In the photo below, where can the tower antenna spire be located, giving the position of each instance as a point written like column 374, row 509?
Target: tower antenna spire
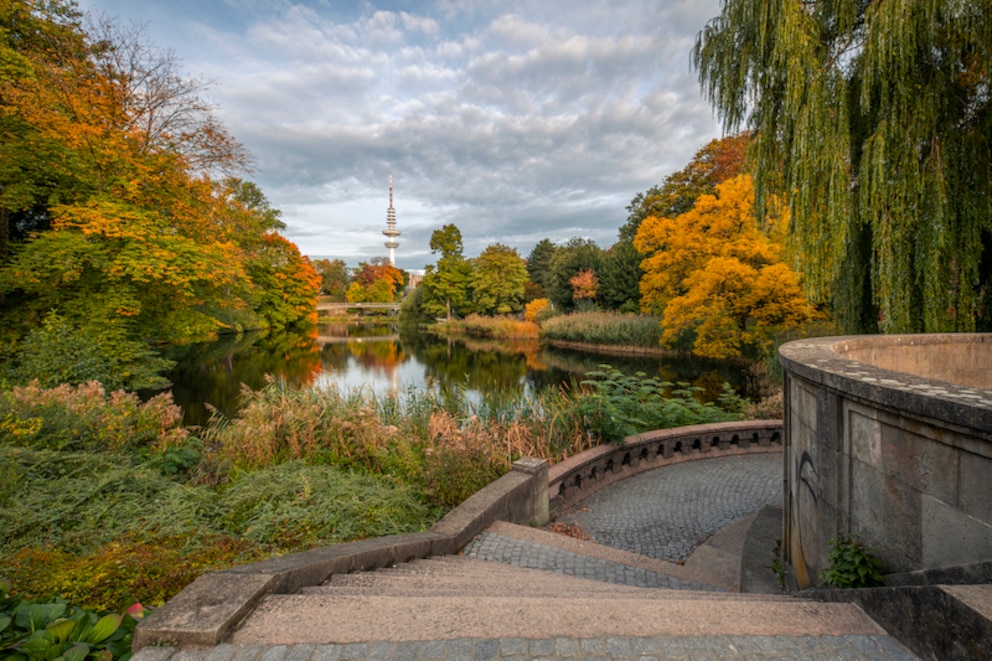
column 391, row 232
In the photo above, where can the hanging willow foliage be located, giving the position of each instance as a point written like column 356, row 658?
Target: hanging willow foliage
column 874, row 119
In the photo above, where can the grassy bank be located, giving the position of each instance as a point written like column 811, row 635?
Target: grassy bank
column 107, row 500
column 499, row 327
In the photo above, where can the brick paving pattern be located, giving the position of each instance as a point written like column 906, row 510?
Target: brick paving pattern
column 667, row 513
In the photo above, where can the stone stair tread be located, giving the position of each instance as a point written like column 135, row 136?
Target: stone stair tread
column 523, row 590
column 326, row 618
column 470, row 576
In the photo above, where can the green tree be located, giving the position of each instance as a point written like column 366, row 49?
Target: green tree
column 446, row 284
column 334, row 278
column 620, row 278
column 577, row 255
column 874, row 120
column 539, row 266
column 499, row 278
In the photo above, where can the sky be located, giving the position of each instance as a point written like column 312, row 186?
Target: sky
column 514, row 120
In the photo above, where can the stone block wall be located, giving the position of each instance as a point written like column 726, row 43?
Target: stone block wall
column 902, row 460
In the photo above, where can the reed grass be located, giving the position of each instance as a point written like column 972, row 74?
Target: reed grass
column 604, row 328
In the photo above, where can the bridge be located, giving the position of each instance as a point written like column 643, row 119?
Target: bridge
column 344, row 305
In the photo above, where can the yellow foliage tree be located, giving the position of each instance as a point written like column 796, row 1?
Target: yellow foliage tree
column 714, row 271
column 534, row 309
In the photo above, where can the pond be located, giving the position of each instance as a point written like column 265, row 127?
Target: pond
column 385, row 361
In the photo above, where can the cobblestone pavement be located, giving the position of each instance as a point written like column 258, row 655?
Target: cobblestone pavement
column 667, row 513
column 613, row 647
column 521, row 553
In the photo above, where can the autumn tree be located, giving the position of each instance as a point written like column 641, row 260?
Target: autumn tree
column 714, row 272
column 499, row 277
column 585, row 286
column 119, row 234
column 717, row 161
column 874, row 121
column 382, row 281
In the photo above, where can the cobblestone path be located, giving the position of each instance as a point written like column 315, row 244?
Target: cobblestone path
column 667, row 513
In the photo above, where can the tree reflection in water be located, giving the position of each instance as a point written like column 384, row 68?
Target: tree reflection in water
column 383, row 360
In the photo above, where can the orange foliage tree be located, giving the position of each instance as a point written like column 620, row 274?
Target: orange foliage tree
column 130, row 239
column 585, row 285
column 713, row 271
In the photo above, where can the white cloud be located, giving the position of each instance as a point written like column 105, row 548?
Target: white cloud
column 516, row 120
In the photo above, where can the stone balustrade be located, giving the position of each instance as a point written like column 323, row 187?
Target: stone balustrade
column 576, row 477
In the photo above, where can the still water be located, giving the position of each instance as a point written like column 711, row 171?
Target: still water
column 383, row 360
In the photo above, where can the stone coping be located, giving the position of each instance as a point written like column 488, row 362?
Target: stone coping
column 825, row 361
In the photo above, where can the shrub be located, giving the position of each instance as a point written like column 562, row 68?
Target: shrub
column 136, row 567
column 534, row 310
column 295, row 505
column 615, row 405
column 58, row 352
column 852, row 564
column 86, row 417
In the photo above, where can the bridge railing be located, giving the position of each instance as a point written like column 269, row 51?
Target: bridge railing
column 578, row 476
column 334, row 305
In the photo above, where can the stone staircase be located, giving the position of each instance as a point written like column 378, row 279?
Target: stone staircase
column 478, row 586
column 459, row 597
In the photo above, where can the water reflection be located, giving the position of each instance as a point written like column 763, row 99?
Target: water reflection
column 385, row 360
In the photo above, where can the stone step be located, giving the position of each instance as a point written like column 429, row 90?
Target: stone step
column 468, row 577
column 330, row 618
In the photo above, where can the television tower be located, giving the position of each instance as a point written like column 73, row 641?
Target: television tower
column 391, row 230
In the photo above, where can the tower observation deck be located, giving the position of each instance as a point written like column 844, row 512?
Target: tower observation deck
column 391, row 232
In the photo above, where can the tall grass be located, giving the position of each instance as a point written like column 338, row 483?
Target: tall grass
column 108, row 500
column 490, row 327
column 604, row 328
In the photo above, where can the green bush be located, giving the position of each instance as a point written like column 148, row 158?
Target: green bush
column 58, row 352
column 616, row 405
column 295, row 505
column 852, row 564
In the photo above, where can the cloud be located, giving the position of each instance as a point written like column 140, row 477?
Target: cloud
column 515, row 120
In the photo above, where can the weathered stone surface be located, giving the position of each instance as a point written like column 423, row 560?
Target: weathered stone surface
column 205, row 611
column 900, row 458
column 935, row 622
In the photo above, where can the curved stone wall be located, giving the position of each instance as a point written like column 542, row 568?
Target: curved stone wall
column 888, row 438
column 577, row 477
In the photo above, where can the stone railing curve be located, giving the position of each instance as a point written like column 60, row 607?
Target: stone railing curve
column 577, row 477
